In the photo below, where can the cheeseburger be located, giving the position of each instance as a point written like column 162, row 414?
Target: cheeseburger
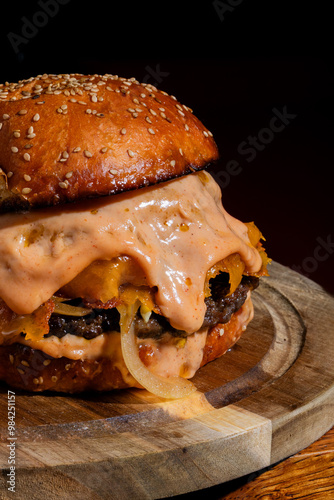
column 119, row 266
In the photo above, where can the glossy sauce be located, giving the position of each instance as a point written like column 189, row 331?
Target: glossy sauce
column 175, row 231
column 166, row 358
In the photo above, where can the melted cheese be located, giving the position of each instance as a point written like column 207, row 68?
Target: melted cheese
column 166, row 358
column 174, row 231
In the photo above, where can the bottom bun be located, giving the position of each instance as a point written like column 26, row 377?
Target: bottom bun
column 27, row 368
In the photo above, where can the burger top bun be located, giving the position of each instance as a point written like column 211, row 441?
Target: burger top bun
column 68, row 137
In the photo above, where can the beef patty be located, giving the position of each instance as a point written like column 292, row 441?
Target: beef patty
column 219, row 308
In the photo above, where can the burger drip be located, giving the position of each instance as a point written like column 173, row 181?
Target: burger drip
column 175, row 232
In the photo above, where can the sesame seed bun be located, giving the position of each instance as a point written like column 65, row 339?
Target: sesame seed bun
column 134, row 290
column 69, row 137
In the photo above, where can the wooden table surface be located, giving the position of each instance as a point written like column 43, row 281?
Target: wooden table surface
column 308, row 474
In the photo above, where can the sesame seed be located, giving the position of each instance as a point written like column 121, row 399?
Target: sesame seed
column 173, row 162
column 181, row 112
column 69, row 175
column 24, row 363
column 73, row 100
column 41, row 380
column 26, row 156
column 113, row 171
column 64, row 106
column 134, row 115
column 31, row 136
column 153, row 112
column 22, row 112
column 186, row 127
column 63, row 185
column 100, row 115
column 20, row 371
column 148, row 119
column 181, row 152
column 94, row 98
column 26, row 190
column 68, row 366
column 16, row 134
column 131, row 110
column 30, row 130
column 143, row 95
column 5, row 117
column 54, row 378
column 11, row 358
column 163, row 115
column 46, row 362
column 151, row 131
column 104, row 150
column 82, row 102
column 59, row 110
column 36, row 117
column 65, row 154
column 14, row 149
column 28, row 146
column 27, row 177
column 130, row 153
column 205, row 133
column 76, row 150
column 88, row 154
column 36, row 381
column 1, row 125
column 10, row 174
column 123, row 131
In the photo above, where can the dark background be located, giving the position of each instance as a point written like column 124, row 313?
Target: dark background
column 232, row 62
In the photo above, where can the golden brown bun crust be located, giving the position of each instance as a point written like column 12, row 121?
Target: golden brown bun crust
column 69, row 137
column 25, row 368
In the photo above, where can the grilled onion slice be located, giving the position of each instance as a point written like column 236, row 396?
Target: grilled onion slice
column 169, row 388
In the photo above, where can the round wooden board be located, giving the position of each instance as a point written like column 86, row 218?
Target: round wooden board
column 267, row 398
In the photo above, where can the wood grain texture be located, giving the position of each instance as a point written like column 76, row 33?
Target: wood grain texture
column 266, row 399
column 308, row 474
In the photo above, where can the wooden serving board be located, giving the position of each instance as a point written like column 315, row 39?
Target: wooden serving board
column 267, row 398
